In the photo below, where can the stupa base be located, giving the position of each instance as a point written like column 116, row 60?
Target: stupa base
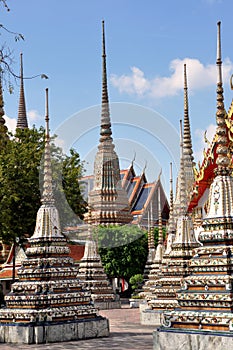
column 150, row 317
column 29, row 333
column 105, row 305
column 164, row 339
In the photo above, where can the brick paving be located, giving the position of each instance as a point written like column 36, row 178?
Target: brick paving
column 126, row 333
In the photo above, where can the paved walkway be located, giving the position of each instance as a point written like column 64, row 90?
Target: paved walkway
column 126, row 333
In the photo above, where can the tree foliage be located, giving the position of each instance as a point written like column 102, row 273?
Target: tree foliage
column 123, row 249
column 127, row 258
column 20, row 165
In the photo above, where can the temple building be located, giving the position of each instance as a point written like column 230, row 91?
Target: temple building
column 205, row 314
column 108, row 200
column 48, row 303
column 142, row 197
column 22, row 122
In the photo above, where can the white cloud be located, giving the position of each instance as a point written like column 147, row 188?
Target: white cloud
column 10, row 123
column 34, row 115
column 200, row 141
column 199, row 75
column 136, row 83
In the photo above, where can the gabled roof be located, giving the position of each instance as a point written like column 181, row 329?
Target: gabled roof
column 140, row 193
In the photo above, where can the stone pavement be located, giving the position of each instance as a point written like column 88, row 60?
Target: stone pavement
column 126, row 333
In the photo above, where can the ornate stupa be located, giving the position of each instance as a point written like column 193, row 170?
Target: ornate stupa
column 205, row 313
column 151, row 246
column 92, row 273
column 108, row 200
column 22, row 122
column 175, row 260
column 187, row 152
column 49, row 303
column 171, row 226
column 159, row 251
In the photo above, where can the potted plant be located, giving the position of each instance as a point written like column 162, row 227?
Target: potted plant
column 135, row 282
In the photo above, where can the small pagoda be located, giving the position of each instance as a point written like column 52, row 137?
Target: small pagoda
column 92, row 273
column 48, row 303
column 175, row 260
column 155, row 265
column 205, row 312
column 108, row 200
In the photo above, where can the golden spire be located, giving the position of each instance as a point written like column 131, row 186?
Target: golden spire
column 223, row 160
column 22, row 115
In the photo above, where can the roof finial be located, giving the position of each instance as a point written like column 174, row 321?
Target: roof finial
column 105, row 131
column 219, row 53
column 47, row 195
column 222, row 142
column 22, row 115
column 133, row 160
column 144, row 169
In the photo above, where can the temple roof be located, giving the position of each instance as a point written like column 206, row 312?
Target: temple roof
column 140, row 192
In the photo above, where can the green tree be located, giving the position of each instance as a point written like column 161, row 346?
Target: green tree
column 123, row 250
column 20, row 165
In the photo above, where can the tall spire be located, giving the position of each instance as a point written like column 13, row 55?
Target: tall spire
column 160, row 237
column 108, row 200
column 171, row 222
column 22, row 114
column 187, row 140
column 183, row 199
column 47, row 195
column 180, row 205
column 222, row 141
column 105, row 126
column 47, row 221
column 159, row 248
column 151, row 241
column 184, row 229
column 171, row 194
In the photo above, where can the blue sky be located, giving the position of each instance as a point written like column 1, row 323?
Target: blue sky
column 147, row 44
